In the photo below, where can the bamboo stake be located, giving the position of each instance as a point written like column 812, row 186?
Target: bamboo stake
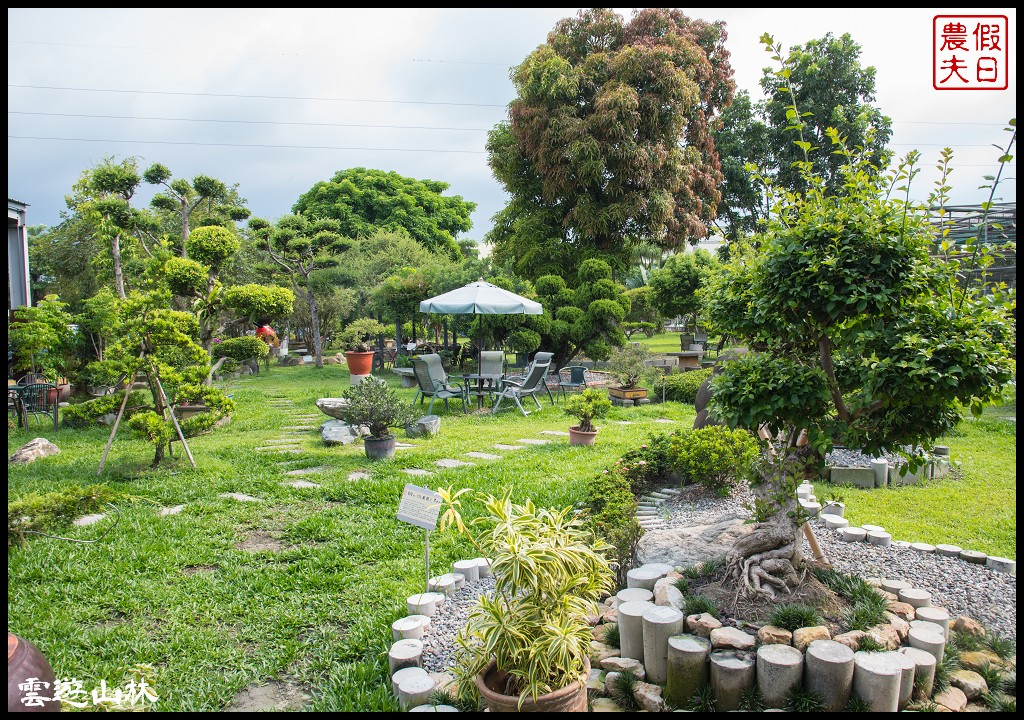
column 813, row 542
column 174, row 420
column 117, row 420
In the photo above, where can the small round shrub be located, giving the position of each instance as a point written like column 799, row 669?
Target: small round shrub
column 714, row 456
column 681, row 387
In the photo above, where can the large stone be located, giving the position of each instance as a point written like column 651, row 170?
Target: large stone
column 702, row 624
column 732, row 673
column 902, row 626
column 33, row 450
column 802, row 637
column 978, row 659
column 666, row 593
column 969, row 626
column 680, row 547
column 687, row 667
column 780, row 669
column 599, row 651
column 621, row 664
column 828, row 671
column 728, row 638
column 426, row 426
column 972, row 684
column 952, row 698
column 337, row 432
column 333, row 407
column 771, row 635
column 903, row 610
column 605, row 705
column 885, row 635
column 851, row 639
column 649, row 696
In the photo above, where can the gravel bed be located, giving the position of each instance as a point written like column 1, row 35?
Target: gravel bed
column 450, row 616
column 843, row 457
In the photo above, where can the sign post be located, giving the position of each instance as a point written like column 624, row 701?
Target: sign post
column 420, row 506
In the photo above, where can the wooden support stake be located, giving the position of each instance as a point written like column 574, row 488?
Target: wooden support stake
column 813, row 542
column 174, row 420
column 113, row 430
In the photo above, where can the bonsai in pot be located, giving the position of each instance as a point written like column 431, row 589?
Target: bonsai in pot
column 586, row 406
column 628, row 365
column 525, row 646
column 357, row 338
column 372, row 404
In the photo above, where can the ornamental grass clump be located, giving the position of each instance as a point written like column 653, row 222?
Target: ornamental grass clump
column 549, row 573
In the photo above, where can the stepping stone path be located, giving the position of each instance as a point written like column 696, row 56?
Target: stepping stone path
column 416, row 471
column 302, row 484
column 310, row 470
column 279, row 441
column 623, row 422
column 451, row 463
column 554, row 432
column 359, row 475
column 293, row 449
column 172, row 510
column 240, row 497
column 88, row 520
column 663, row 420
column 532, row 441
column 299, row 427
column 483, row 456
column 500, row 446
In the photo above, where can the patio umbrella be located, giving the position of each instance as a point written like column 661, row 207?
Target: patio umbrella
column 481, row 298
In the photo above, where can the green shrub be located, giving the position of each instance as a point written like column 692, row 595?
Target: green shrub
column 90, row 411
column 623, row 690
column 714, row 456
column 611, row 515
column 611, row 637
column 680, row 387
column 793, row 617
column 646, row 466
column 242, row 348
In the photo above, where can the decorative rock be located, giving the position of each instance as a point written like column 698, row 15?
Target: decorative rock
column 33, row 450
column 771, row 635
column 404, row 673
column 702, row 624
column 894, row 586
column 501, row 446
column 880, row 538
column 631, row 594
column 301, row 484
column 728, row 638
column 599, row 651
column 687, row 667
column 684, row 546
column 828, row 671
column 802, row 637
column 649, row 696
column 780, row 669
column 922, row 547
column 851, row 639
column 631, row 628
column 948, row 550
column 426, row 426
column 468, row 568
column 411, row 627
column 903, row 610
column 483, row 455
column 971, row 683
column 621, row 664
column 732, row 672
column 642, row 577
column 973, row 556
column 928, row 639
column 333, row 407
column 404, row 653
column 595, row 683
column 901, row 626
column 924, row 668
column 667, row 594
column 969, row 626
column 916, row 598
column 936, row 615
column 952, row 698
column 888, row 596
column 852, row 534
column 1001, row 564
column 885, row 635
column 659, row 624
column 414, row 691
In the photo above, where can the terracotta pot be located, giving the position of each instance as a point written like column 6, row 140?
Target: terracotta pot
column 359, row 363
column 572, row 698
column 24, row 661
column 580, row 437
column 379, row 448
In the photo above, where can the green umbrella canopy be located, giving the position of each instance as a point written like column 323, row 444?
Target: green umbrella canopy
column 481, row 298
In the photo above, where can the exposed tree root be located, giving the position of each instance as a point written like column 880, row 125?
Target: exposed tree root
column 768, row 561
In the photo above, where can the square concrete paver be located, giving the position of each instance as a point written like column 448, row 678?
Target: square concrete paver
column 240, row 497
column 484, row 456
column 554, row 432
column 501, row 446
column 172, row 510
column 534, row 441
column 302, row 484
column 452, row 463
column 416, row 471
column 310, row 470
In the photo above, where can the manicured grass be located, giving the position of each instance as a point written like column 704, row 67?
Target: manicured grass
column 177, row 592
column 660, row 343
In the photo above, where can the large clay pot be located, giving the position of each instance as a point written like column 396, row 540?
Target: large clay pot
column 379, row 448
column 581, row 437
column 25, row 662
column 359, row 363
column 572, row 698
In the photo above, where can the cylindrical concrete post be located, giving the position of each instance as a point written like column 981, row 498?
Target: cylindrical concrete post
column 881, row 468
column 924, row 638
column 422, row 604
column 936, row 615
column 643, row 577
column 628, row 594
column 915, row 597
column 687, row 667
column 403, row 674
column 852, row 534
column 469, row 568
column 834, row 522
column 924, row 664
column 828, row 671
column 631, row 628
column 908, row 668
column 403, row 654
column 483, row 567
column 894, row 586
column 411, row 627
column 780, row 668
column 732, row 672
column 880, row 538
column 876, row 680
column 414, row 691
column 660, row 622
column 443, row 583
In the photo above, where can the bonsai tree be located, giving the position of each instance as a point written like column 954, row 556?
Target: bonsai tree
column 548, row 574
column 372, row 404
column 587, row 406
column 628, row 365
column 359, row 334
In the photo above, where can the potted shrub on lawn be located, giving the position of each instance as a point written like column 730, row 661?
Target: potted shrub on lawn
column 526, row 645
column 586, row 406
column 357, row 338
column 372, row 404
column 628, row 365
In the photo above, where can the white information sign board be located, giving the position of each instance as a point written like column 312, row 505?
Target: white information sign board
column 419, row 507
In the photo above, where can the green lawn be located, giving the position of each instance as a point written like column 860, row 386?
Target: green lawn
column 660, row 343
column 178, row 593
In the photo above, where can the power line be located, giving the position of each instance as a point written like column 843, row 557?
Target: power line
column 249, row 145
column 261, row 97
column 250, row 122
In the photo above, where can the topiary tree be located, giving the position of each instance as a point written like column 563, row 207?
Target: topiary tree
column 860, row 338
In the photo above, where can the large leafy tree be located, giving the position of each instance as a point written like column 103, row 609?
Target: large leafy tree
column 860, row 337
column 679, row 288
column 364, row 201
column 608, row 142
column 742, row 138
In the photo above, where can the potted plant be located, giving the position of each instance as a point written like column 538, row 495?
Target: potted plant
column 356, row 337
column 586, row 406
column 372, row 404
column 628, row 365
column 526, row 645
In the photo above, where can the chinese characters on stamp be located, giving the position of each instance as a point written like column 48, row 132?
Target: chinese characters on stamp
column 970, row 52
column 36, row 693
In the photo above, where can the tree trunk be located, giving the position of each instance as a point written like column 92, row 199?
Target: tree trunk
column 184, row 227
column 115, row 252
column 318, row 358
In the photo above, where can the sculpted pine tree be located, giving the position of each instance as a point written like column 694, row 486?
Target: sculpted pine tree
column 608, row 142
column 859, row 336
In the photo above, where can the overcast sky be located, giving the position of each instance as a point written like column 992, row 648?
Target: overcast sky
column 277, row 100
